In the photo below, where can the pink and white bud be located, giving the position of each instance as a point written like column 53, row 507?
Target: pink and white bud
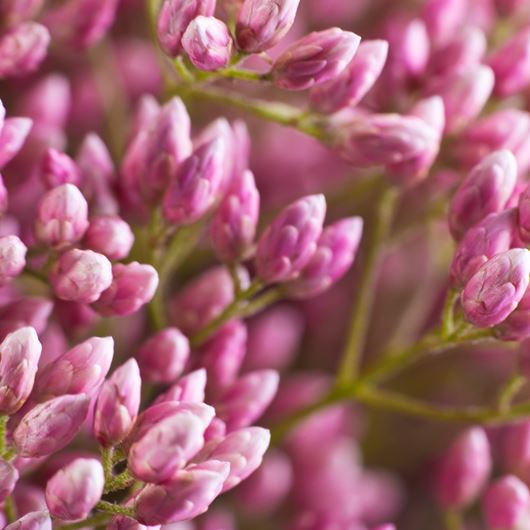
column 496, row 288
column 263, row 23
column 189, row 388
column 464, row 469
column 58, row 168
column 74, row 490
column 133, row 285
column 12, row 137
column 81, row 276
column 314, row 59
column 50, row 426
column 163, row 356
column 8, row 479
column 22, row 49
column 12, row 258
column 109, row 235
column 290, row 241
column 506, row 504
column 32, row 521
column 443, row 18
column 486, row 189
column 118, row 404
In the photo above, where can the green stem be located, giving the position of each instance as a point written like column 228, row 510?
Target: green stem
column 10, row 509
column 453, row 520
column 362, row 310
column 509, row 391
column 119, row 482
column 3, row 425
column 241, row 73
column 107, row 456
column 448, row 321
column 115, row 509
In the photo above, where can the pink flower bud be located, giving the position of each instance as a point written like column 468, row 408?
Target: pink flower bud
column 290, row 241
column 174, row 17
column 524, row 215
column 516, row 442
column 26, row 311
column 81, row 369
column 496, row 288
column 263, row 23
column 189, row 493
column 12, row 137
column 189, row 388
column 58, row 168
column 133, row 285
column 163, row 357
column 336, row 250
column 486, row 189
column 62, row 216
column 12, row 258
column 208, row 43
column 246, row 400
column 81, row 276
column 169, row 444
column 74, row 490
column 517, row 325
column 464, row 469
column 234, row 224
column 506, row 504
column 19, row 358
column 194, row 188
column 4, row 199
column 121, row 522
column 22, row 49
column 32, row 521
column 314, row 59
column 50, row 426
column 353, row 84
column 110, row 236
column 117, row 405
column 443, row 18
column 8, row 479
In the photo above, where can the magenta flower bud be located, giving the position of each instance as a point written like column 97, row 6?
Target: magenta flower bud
column 486, row 189
column 263, row 23
column 174, row 17
column 336, row 250
column 168, row 444
column 163, row 357
column 496, row 288
column 234, row 224
column 12, row 137
column 50, row 426
column 290, row 241
column 62, row 216
column 12, row 258
column 194, row 188
column 353, row 84
column 208, row 43
column 517, row 325
column 246, row 400
column 81, row 370
column 506, row 504
column 4, row 199
column 58, row 168
column 121, row 522
column 314, row 59
column 19, row 358
column 133, row 285
column 189, row 493
column 32, row 521
column 524, row 215
column 8, row 479
column 22, row 49
column 110, row 236
column 443, row 18
column 189, row 388
column 74, row 490
column 118, row 404
column 26, row 311
column 464, row 469
column 81, row 276
column 516, row 441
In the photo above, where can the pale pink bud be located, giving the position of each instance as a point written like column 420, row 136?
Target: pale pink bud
column 190, row 387
column 62, row 216
column 50, row 426
column 58, row 168
column 443, row 18
column 163, row 357
column 314, row 59
column 506, row 504
column 12, row 137
column 81, row 369
column 195, row 187
column 133, row 285
column 263, row 23
column 208, row 43
column 22, row 49
column 353, row 84
column 336, row 250
column 290, row 241
column 111, row 236
column 464, row 469
column 32, row 521
column 234, row 224
column 246, row 400
column 74, row 490
column 189, row 493
column 174, row 17
column 12, row 258
column 8, row 479
column 81, row 276
column 516, row 446
column 486, row 189
column 117, row 405
column 19, row 358
column 496, row 288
